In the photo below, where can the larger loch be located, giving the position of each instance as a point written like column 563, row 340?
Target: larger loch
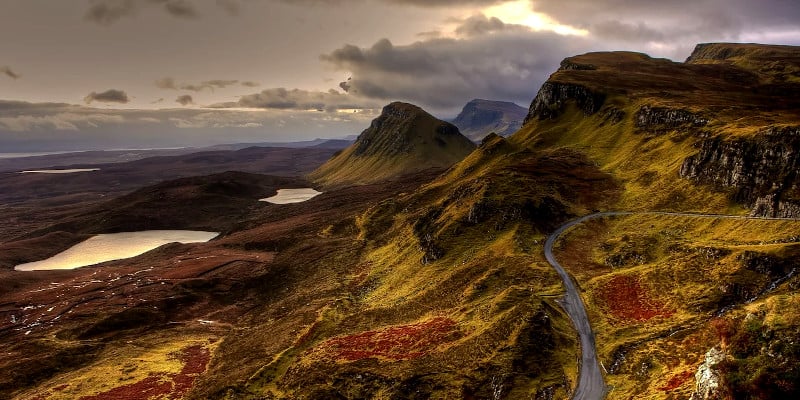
column 115, row 246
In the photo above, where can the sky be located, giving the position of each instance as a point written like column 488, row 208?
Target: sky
column 99, row 74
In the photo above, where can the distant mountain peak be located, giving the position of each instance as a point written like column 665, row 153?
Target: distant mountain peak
column 480, row 117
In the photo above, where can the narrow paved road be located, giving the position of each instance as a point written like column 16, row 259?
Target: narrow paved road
column 591, row 385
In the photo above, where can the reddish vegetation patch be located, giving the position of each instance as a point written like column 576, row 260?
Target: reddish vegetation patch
column 195, row 359
column 395, row 343
column 174, row 386
column 626, row 299
column 152, row 386
column 677, row 381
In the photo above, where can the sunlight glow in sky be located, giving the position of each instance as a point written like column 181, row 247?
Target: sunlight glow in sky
column 520, row 13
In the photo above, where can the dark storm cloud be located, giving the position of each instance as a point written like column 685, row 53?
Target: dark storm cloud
column 481, row 25
column 297, row 99
column 195, row 87
column 346, row 85
column 171, row 84
column 250, row 84
column 6, row 70
column 14, row 107
column 166, row 83
column 109, row 96
column 417, row 3
column 619, row 30
column 447, row 3
column 180, row 8
column 184, row 100
column 221, row 83
column 232, row 7
column 106, row 12
column 678, row 20
column 445, row 73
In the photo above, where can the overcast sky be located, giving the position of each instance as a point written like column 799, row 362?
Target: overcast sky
column 149, row 73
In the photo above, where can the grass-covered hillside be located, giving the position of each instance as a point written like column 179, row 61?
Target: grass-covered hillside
column 402, row 140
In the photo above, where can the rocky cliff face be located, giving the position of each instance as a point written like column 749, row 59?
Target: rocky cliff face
column 761, row 171
column 553, row 96
column 481, row 117
column 660, row 119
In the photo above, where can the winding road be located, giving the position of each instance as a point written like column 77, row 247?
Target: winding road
column 591, row 385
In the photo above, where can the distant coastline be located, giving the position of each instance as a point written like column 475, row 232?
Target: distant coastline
column 50, row 153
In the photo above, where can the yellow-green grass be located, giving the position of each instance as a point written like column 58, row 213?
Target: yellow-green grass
column 681, row 271
column 491, row 286
column 124, row 364
column 647, row 166
column 394, row 146
column 348, row 168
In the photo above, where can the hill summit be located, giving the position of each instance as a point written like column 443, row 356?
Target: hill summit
column 481, row 117
column 403, row 139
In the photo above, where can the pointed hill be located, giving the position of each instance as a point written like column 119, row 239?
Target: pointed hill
column 402, row 140
column 481, row 117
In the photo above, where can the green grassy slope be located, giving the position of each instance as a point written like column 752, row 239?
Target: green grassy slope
column 402, row 140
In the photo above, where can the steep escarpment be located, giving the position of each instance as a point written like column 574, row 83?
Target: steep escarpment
column 552, row 98
column 725, row 121
column 402, row 140
column 662, row 119
column 762, row 170
column 480, row 117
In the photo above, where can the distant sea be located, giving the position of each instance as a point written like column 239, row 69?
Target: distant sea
column 42, row 153
column 47, row 153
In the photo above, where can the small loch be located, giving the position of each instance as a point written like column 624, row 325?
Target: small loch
column 115, row 246
column 59, row 171
column 288, row 196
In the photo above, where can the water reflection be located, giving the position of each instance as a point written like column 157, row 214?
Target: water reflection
column 114, row 246
column 287, row 196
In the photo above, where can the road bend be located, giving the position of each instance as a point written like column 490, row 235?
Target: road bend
column 591, row 384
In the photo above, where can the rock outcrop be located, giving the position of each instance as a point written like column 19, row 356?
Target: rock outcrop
column 661, row 119
column 762, row 170
column 479, row 117
column 707, row 378
column 553, row 96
